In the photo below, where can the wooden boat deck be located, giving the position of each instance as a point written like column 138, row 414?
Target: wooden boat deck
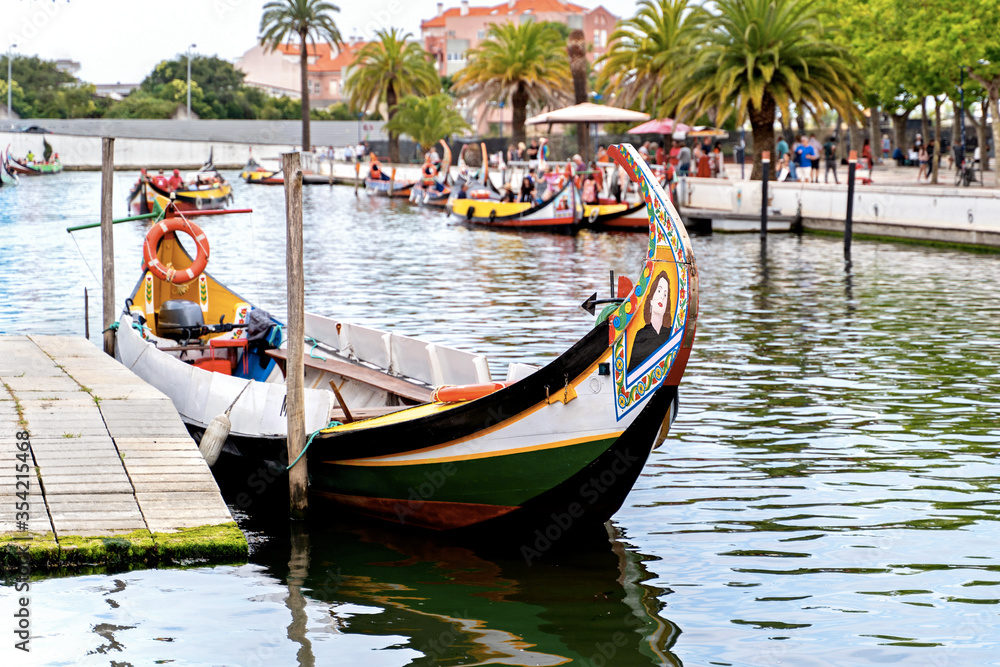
column 398, row 386
column 109, row 454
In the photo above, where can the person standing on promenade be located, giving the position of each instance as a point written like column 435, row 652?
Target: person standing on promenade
column 805, row 154
column 830, row 157
column 922, row 159
column 885, row 147
column 684, row 160
column 817, row 149
column 782, row 148
column 866, row 154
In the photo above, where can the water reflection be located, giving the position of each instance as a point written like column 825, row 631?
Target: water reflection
column 456, row 604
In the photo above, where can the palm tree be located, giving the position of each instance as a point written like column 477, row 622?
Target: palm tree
column 576, row 49
column 661, row 35
column 524, row 62
column 427, row 119
column 386, row 70
column 312, row 22
column 761, row 55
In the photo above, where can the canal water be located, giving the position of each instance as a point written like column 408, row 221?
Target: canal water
column 828, row 494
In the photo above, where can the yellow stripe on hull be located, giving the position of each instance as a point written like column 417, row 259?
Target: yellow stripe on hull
column 603, row 209
column 482, row 208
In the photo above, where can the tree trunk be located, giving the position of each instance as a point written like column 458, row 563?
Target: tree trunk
column 304, row 76
column 981, row 133
column 519, row 113
column 923, row 120
column 857, row 134
column 390, row 102
column 936, row 160
column 576, row 47
column 992, row 87
column 899, row 121
column 875, row 132
column 762, row 128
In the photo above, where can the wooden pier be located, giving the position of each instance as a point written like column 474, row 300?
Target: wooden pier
column 115, row 477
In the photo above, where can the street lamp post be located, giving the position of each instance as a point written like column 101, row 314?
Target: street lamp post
column 189, row 79
column 10, row 109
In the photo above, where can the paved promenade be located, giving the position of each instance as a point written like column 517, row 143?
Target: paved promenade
column 109, row 457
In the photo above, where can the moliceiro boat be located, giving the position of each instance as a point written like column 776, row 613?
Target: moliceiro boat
column 561, row 443
column 27, row 167
column 7, row 175
column 202, row 190
column 561, row 211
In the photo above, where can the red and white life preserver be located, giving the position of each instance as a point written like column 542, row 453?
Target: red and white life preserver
column 161, row 271
column 465, row 392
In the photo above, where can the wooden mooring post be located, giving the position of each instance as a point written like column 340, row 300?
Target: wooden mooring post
column 765, row 164
column 357, row 175
column 852, row 164
column 108, row 241
column 298, row 476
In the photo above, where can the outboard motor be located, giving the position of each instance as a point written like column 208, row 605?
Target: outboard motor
column 180, row 320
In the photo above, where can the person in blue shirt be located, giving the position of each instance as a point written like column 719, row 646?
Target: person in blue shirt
column 804, row 156
column 781, row 148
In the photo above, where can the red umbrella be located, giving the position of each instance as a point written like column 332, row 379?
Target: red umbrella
column 660, row 126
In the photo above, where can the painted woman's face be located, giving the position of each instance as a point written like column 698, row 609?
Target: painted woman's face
column 661, row 299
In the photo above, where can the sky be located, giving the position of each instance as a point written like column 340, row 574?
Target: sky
column 122, row 40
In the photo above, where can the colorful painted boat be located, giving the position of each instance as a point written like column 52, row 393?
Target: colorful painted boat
column 7, row 176
column 203, row 190
column 389, row 188
column 25, row 168
column 255, row 173
column 563, row 211
column 236, row 365
column 610, row 216
column 557, row 447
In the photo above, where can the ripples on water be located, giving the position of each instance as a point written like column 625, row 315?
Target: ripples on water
column 827, row 497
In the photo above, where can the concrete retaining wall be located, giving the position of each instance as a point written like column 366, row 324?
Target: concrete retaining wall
column 77, row 152
column 278, row 132
column 958, row 215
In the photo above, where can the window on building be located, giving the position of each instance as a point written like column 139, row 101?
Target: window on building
column 480, row 34
column 604, row 38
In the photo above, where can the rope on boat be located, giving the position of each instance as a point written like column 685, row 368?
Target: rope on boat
column 309, row 442
column 315, row 344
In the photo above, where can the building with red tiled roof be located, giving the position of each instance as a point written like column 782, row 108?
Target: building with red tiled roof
column 277, row 71
column 452, row 32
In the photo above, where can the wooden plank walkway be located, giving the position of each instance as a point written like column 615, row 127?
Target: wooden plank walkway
column 112, row 456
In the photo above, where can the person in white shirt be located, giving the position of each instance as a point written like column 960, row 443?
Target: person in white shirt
column 359, row 152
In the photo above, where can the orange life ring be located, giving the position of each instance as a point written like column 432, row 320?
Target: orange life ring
column 161, row 271
column 465, row 392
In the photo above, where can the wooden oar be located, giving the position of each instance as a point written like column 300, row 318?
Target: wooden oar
column 343, row 405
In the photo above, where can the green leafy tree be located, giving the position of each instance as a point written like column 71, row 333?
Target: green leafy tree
column 312, row 22
column 45, row 91
column 645, row 48
column 758, row 56
column 525, row 63
column 386, row 70
column 141, row 104
column 427, row 119
column 223, row 93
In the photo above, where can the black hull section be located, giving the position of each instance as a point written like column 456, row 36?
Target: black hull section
column 597, row 492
